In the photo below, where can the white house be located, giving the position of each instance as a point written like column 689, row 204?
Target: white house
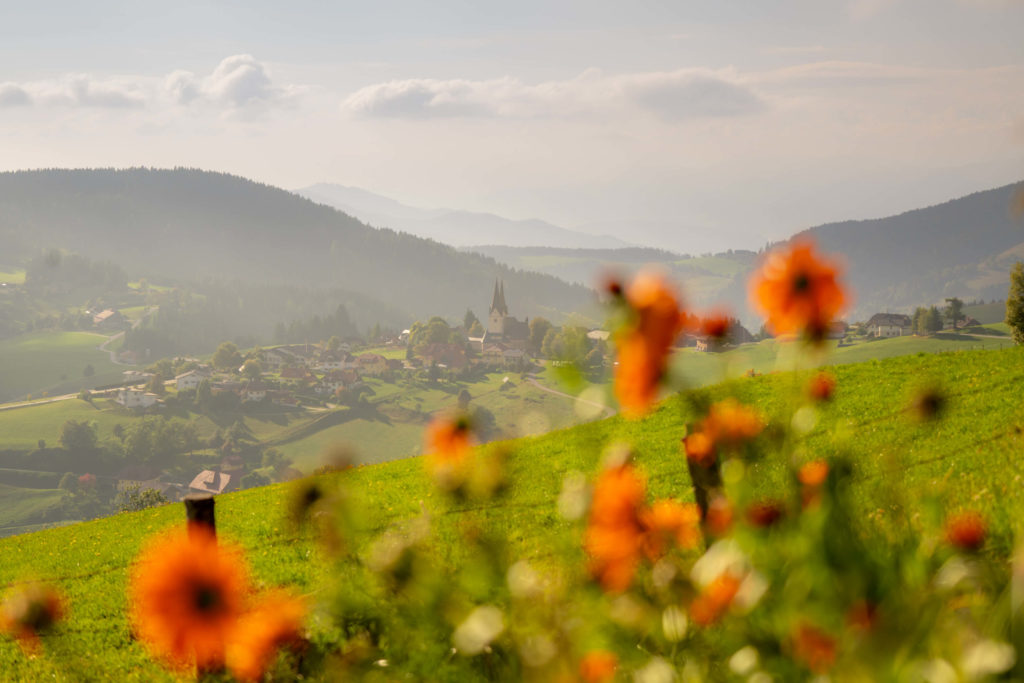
column 254, row 391
column 889, row 325
column 136, row 398
column 189, row 380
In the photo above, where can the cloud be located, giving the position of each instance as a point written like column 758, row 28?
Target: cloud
column 238, row 82
column 85, row 92
column 13, row 95
column 675, row 95
column 182, row 86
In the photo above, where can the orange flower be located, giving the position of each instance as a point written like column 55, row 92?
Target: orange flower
column 700, row 448
column 276, row 622
column 821, row 387
column 711, row 604
column 598, row 666
column 186, row 594
column 719, row 518
column 716, row 326
column 732, row 423
column 30, row 611
column 797, row 291
column 614, row 532
column 813, row 473
column 644, row 344
column 862, row 615
column 667, row 522
column 966, row 531
column 448, row 443
column 815, row 648
column 765, row 513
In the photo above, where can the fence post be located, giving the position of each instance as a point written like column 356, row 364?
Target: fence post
column 199, row 512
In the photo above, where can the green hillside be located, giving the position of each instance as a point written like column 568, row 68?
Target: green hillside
column 54, row 362
column 972, row 458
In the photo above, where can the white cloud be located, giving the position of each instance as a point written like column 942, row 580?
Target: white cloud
column 240, row 80
column 13, row 95
column 674, row 95
column 182, row 86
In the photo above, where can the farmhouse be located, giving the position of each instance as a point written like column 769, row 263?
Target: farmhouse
column 889, row 325
column 135, row 377
column 189, row 380
column 108, row 319
column 209, row 481
column 136, row 398
column 254, row 391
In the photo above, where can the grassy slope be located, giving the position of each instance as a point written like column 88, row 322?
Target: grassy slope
column 973, row 458
column 14, row 276
column 36, row 362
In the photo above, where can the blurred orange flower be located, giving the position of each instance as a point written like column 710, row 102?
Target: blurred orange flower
column 719, row 518
column 716, row 326
column 614, row 532
column 765, row 513
column 644, row 344
column 732, row 423
column 797, row 292
column 700, row 448
column 598, row 666
column 711, row 604
column 815, row 648
column 275, row 622
column 29, row 611
column 448, row 444
column 186, row 594
column 966, row 531
column 669, row 521
column 821, row 387
column 813, row 473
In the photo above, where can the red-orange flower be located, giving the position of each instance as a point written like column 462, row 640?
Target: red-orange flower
column 700, row 448
column 186, row 594
column 598, row 666
column 614, row 532
column 669, row 522
column 30, row 611
column 730, row 422
column 716, row 326
column 274, row 623
column 815, row 648
column 719, row 517
column 797, row 291
column 711, row 604
column 449, row 444
column 821, row 387
column 765, row 513
column 644, row 344
column 812, row 476
column 966, row 531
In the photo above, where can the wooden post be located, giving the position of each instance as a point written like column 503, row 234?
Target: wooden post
column 199, row 512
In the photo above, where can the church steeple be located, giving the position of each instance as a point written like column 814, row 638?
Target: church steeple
column 498, row 300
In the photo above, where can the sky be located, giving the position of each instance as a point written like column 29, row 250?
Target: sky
column 724, row 123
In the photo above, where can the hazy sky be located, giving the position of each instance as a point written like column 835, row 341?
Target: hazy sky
column 745, row 120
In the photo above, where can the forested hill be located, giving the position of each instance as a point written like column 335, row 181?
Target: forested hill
column 191, row 224
column 964, row 247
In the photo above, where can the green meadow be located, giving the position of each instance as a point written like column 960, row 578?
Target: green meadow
column 53, row 362
column 972, row 458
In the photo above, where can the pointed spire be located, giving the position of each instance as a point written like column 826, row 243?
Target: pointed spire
column 494, row 300
column 501, row 299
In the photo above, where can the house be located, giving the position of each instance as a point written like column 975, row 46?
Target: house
column 190, row 380
column 209, row 481
column 371, row 364
column 254, row 391
column 278, row 357
column 449, row 355
column 338, row 379
column 342, row 360
column 136, row 398
column 108, row 319
column 135, row 376
column 282, row 398
column 599, row 335
column 889, row 325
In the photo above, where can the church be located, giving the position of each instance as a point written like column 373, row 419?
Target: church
column 501, row 327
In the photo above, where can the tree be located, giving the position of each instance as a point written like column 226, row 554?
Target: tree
column 469, row 320
column 538, row 328
column 917, row 320
column 69, row 482
column 156, row 384
column 132, row 499
column 476, row 330
column 252, row 369
column 464, row 399
column 334, row 343
column 254, row 479
column 227, row 356
column 1015, row 303
column 954, row 311
column 89, row 371
column 78, row 436
column 933, row 320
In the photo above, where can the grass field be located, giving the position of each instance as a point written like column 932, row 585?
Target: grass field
column 52, row 361
column 17, row 503
column 972, row 458
column 14, row 276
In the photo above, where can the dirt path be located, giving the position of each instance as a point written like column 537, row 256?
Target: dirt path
column 608, row 412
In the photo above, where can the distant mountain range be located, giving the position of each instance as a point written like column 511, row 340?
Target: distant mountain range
column 451, row 226
column 187, row 224
column 964, row 248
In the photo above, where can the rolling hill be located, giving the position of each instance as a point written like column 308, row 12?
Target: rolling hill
column 451, row 226
column 971, row 458
column 186, row 224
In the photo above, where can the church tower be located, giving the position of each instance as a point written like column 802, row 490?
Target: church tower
column 496, row 316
